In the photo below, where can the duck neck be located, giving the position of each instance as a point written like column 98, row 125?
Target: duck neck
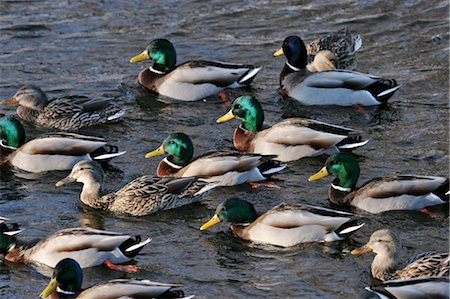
column 91, row 194
column 28, row 114
column 384, row 264
column 338, row 194
column 242, row 139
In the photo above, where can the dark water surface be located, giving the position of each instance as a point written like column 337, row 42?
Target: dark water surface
column 83, row 48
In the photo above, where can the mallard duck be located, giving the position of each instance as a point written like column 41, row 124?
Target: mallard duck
column 227, row 168
column 413, row 288
column 65, row 113
column 333, row 87
column 340, row 44
column 289, row 140
column 284, row 225
column 89, row 247
column 402, row 192
column 142, row 196
column 55, row 151
column 192, row 80
column 67, row 279
column 385, row 265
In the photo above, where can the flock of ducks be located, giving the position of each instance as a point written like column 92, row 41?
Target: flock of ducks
column 319, row 73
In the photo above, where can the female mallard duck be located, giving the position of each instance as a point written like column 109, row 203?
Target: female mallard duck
column 89, row 247
column 56, row 151
column 226, row 168
column 67, row 279
column 284, row 225
column 289, row 140
column 413, row 288
column 65, row 113
column 192, row 80
column 385, row 265
column 403, row 192
column 339, row 46
column 333, row 87
column 142, row 196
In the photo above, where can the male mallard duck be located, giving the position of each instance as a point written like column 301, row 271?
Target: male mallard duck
column 403, row 192
column 142, row 196
column 227, row 168
column 89, row 247
column 67, row 279
column 65, row 113
column 55, row 151
column 333, row 87
column 413, row 288
column 340, row 45
column 284, row 225
column 385, row 265
column 192, row 80
column 289, row 140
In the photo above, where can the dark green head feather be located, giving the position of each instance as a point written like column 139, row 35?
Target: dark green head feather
column 179, row 147
column 236, row 210
column 295, row 51
column 163, row 54
column 12, row 133
column 69, row 275
column 248, row 110
column 345, row 167
column 6, row 243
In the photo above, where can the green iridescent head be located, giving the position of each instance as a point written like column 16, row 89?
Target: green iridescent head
column 7, row 242
column 342, row 165
column 12, row 133
column 232, row 210
column 67, row 276
column 178, row 146
column 295, row 51
column 161, row 52
column 248, row 110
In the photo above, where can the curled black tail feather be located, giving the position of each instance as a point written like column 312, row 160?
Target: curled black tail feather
column 171, row 294
column 128, row 243
column 106, row 149
column 381, row 86
column 348, row 228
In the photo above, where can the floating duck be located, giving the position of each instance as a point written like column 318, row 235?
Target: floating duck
column 284, row 225
column 228, row 168
column 68, row 277
column 89, row 247
column 192, row 80
column 54, row 151
column 386, row 266
column 289, row 140
column 332, row 87
column 65, row 113
column 142, row 196
column 402, row 192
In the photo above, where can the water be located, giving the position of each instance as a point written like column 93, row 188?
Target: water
column 83, row 48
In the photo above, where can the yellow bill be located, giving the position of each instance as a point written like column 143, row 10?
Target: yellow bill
column 362, row 250
column 141, row 57
column 12, row 100
column 157, row 152
column 226, row 117
column 321, row 174
column 213, row 221
column 50, row 289
column 279, row 53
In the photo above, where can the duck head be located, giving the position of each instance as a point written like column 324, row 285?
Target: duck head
column 7, row 243
column 29, row 96
column 86, row 172
column 295, row 51
column 232, row 210
column 343, row 166
column 12, row 133
column 67, row 278
column 248, row 110
column 162, row 53
column 178, row 146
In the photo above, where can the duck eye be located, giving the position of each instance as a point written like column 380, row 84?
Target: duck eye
column 237, row 106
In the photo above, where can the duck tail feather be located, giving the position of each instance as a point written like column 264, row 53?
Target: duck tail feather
column 106, row 152
column 248, row 77
column 132, row 247
column 348, row 228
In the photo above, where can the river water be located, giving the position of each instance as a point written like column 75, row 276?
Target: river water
column 83, row 48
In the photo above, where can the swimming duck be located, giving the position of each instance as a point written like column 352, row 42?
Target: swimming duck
column 142, row 196
column 54, row 151
column 192, row 80
column 67, row 279
column 333, row 87
column 289, row 140
column 402, row 192
column 64, row 113
column 228, row 168
column 89, row 247
column 341, row 46
column 385, row 265
column 284, row 225
column 413, row 288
